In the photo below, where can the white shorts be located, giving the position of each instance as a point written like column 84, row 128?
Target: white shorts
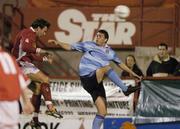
column 9, row 114
column 28, row 68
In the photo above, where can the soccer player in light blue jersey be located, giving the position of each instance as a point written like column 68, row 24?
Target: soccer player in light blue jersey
column 94, row 66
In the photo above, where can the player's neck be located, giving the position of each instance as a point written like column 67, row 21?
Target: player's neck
column 102, row 45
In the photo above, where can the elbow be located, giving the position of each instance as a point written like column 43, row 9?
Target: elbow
column 28, row 49
column 68, row 48
column 24, row 48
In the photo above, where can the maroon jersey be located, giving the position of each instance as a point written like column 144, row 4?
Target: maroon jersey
column 24, row 47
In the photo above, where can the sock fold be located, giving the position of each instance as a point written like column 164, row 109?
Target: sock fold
column 97, row 122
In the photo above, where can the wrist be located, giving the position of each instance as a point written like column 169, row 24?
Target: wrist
column 38, row 50
column 45, row 58
column 135, row 75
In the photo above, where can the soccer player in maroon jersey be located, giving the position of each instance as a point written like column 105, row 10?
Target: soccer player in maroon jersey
column 13, row 84
column 26, row 52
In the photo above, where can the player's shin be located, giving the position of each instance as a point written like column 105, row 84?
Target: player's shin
column 46, row 92
column 113, row 76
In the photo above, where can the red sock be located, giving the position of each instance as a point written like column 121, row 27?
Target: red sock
column 36, row 102
column 46, row 92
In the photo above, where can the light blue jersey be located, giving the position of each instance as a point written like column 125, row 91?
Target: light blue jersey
column 94, row 57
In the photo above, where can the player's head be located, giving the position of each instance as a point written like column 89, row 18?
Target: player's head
column 162, row 50
column 102, row 37
column 40, row 26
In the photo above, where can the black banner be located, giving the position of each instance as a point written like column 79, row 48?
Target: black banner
column 159, row 101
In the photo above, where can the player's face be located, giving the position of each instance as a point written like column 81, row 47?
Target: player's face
column 42, row 32
column 162, row 51
column 100, row 39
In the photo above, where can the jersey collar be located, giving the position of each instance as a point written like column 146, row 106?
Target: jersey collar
column 32, row 29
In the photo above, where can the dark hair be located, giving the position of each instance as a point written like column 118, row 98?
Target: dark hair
column 40, row 23
column 163, row 44
column 106, row 35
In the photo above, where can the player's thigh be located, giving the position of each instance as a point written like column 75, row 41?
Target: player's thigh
column 35, row 87
column 101, row 72
column 39, row 77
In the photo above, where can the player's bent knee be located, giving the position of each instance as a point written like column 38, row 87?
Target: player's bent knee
column 46, row 80
column 107, row 68
column 103, row 113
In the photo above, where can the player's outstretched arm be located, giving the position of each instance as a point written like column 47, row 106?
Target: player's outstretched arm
column 65, row 46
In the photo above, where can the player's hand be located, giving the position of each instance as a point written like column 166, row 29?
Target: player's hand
column 42, row 51
column 48, row 58
column 52, row 41
column 138, row 79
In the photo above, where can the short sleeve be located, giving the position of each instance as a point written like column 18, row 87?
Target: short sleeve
column 78, row 46
column 114, row 57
